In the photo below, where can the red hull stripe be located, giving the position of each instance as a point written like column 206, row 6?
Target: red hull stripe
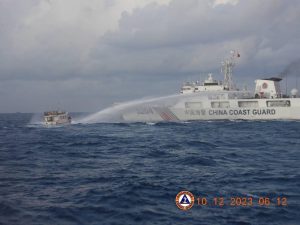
column 166, row 114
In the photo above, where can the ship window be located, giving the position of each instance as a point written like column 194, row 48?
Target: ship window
column 193, row 105
column 279, row 103
column 186, row 89
column 210, row 84
column 248, row 104
column 49, row 119
column 220, row 104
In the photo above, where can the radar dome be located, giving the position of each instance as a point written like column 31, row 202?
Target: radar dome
column 294, row 92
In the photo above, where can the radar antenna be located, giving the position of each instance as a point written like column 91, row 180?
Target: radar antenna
column 227, row 68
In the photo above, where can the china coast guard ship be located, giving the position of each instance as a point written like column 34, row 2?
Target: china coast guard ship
column 221, row 100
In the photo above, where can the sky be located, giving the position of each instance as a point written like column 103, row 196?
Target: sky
column 84, row 55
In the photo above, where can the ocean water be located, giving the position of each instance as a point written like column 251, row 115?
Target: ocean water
column 105, row 173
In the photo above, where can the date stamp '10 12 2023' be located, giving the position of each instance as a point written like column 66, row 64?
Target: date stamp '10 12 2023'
column 185, row 201
column 242, row 201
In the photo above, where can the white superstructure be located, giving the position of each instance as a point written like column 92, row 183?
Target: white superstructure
column 216, row 100
column 56, row 118
column 208, row 85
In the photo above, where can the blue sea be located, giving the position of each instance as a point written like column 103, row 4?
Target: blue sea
column 106, row 173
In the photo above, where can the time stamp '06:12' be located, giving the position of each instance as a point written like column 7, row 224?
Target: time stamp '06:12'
column 242, row 201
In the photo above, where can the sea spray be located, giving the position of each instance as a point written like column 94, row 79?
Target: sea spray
column 36, row 119
column 114, row 113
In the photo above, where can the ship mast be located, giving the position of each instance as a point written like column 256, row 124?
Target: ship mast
column 227, row 68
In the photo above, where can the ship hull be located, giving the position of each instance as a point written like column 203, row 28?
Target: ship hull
column 264, row 109
column 58, row 123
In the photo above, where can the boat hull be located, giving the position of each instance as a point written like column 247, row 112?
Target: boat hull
column 57, row 123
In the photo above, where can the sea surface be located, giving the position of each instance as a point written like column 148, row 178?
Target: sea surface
column 106, row 173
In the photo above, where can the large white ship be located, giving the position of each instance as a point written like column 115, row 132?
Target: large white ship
column 216, row 100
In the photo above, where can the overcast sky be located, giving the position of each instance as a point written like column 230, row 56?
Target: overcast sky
column 83, row 55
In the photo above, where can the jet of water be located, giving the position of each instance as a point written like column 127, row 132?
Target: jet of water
column 37, row 119
column 114, row 113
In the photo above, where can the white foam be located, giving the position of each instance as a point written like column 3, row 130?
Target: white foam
column 36, row 119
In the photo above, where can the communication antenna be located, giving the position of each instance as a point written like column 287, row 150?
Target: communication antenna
column 227, row 70
column 286, row 85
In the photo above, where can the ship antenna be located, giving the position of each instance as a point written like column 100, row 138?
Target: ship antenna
column 286, row 85
column 227, row 69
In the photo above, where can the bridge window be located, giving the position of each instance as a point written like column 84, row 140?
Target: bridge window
column 210, row 84
column 186, row 89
